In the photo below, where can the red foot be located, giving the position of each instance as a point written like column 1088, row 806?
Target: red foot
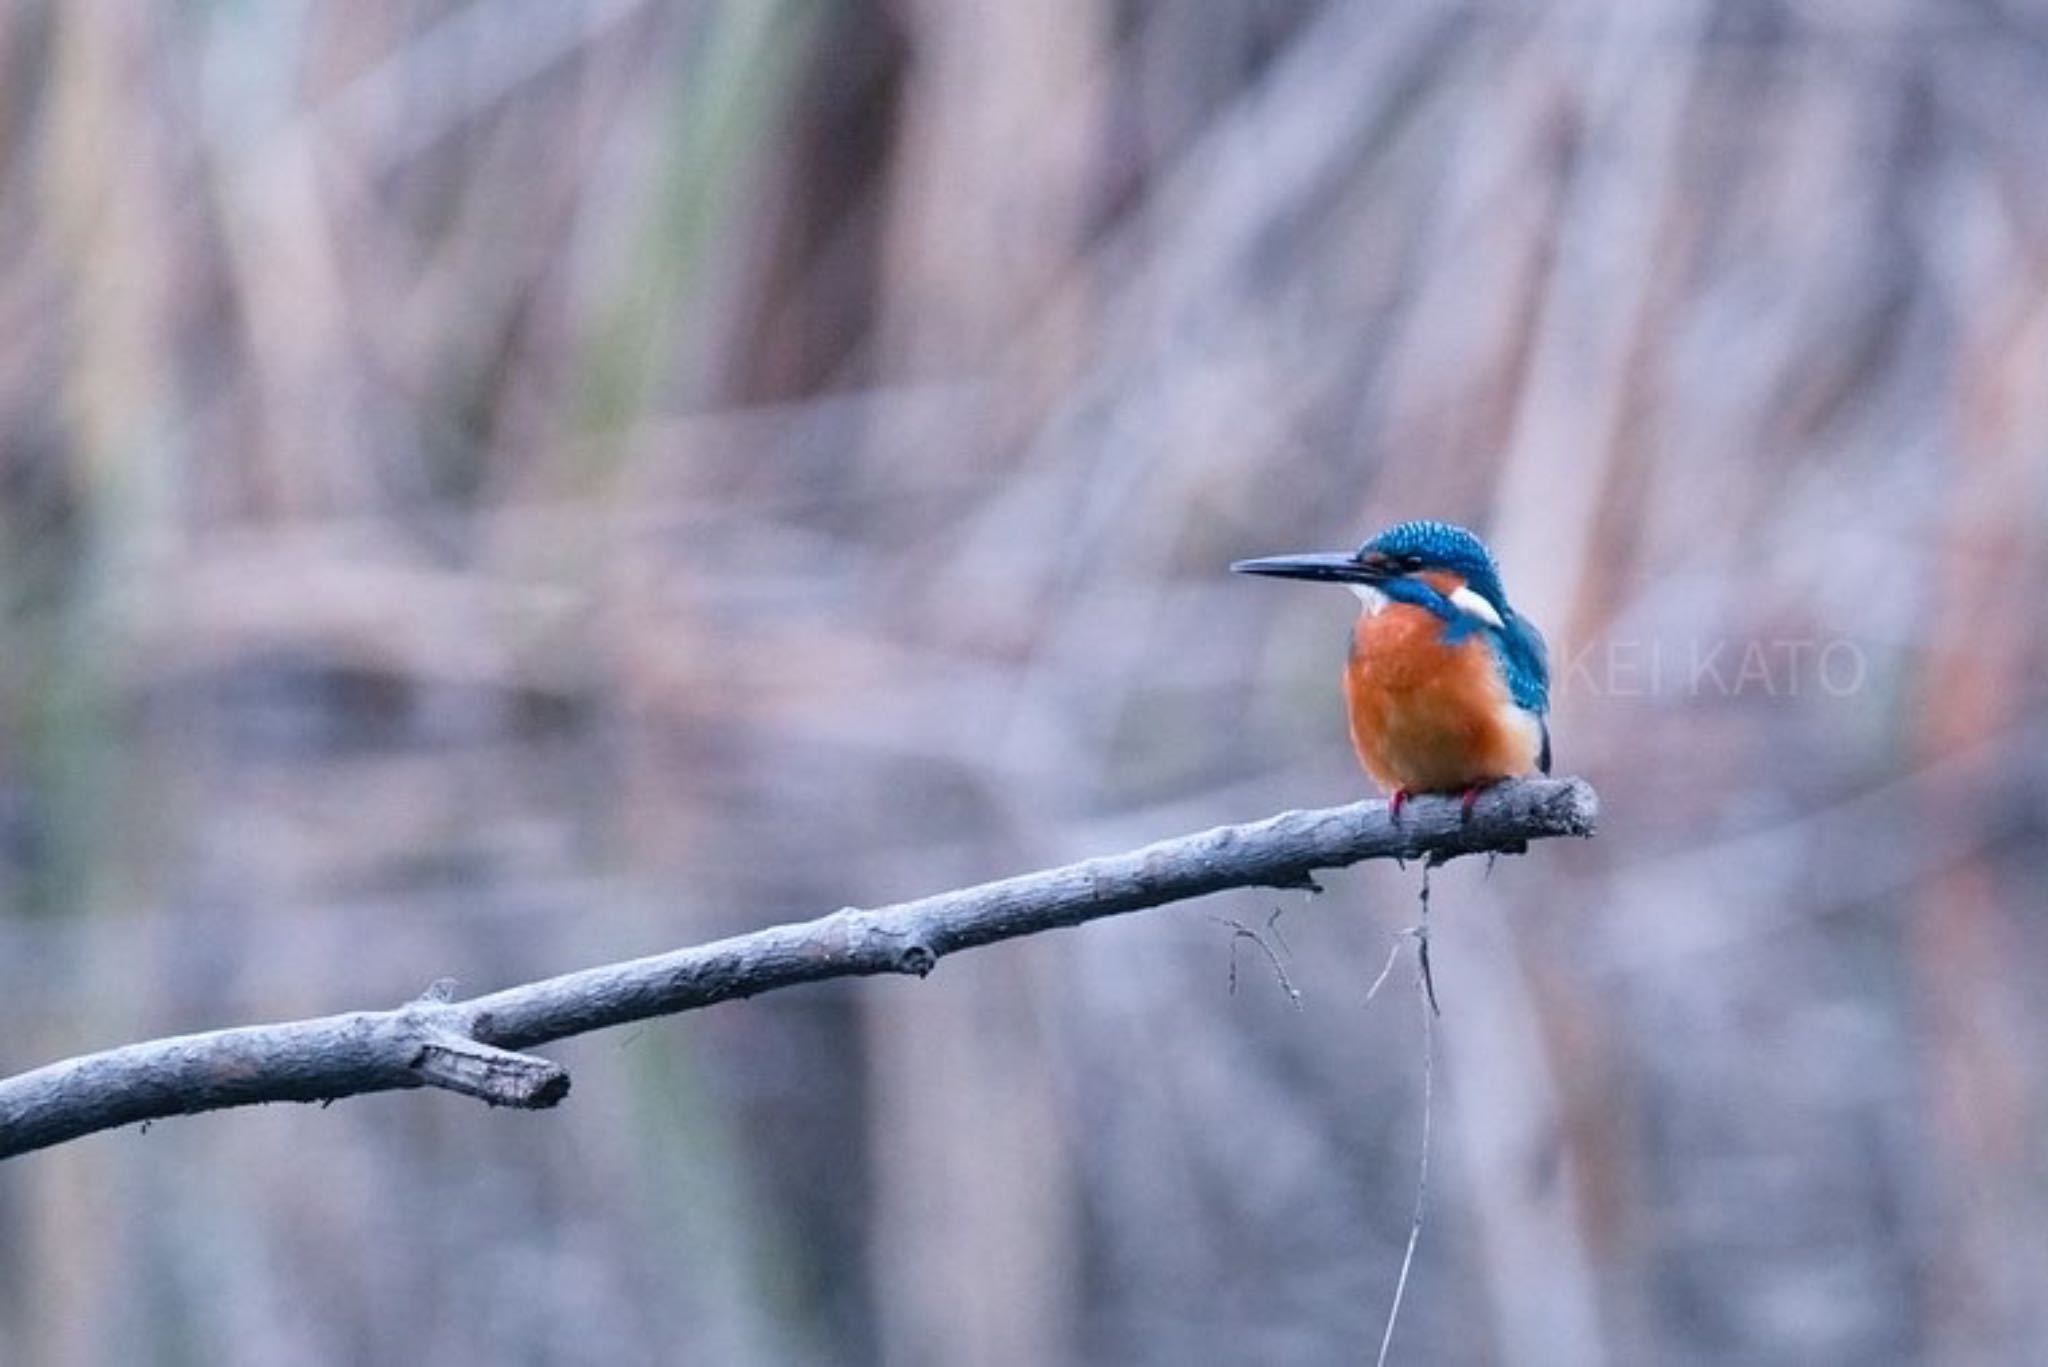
column 1471, row 799
column 1397, row 802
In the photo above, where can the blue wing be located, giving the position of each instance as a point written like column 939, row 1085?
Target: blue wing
column 1526, row 661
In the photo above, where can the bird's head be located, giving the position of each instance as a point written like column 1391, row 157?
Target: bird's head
column 1408, row 562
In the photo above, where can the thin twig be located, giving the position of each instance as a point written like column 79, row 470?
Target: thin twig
column 1425, row 990
column 1240, row 931
column 1429, row 1015
column 1422, row 939
column 1393, row 953
column 1273, row 929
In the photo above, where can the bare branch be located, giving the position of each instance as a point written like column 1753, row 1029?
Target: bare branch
column 469, row 1046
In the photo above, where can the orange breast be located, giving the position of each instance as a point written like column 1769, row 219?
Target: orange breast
column 1431, row 717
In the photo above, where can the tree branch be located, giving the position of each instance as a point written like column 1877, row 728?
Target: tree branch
column 471, row 1046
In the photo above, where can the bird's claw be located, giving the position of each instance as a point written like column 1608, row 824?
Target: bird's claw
column 1470, row 799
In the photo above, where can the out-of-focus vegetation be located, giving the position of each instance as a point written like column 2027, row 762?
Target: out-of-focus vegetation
column 487, row 488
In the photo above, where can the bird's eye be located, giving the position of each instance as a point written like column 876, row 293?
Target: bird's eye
column 1409, row 563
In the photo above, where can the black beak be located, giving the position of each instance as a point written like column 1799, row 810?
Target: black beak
column 1328, row 567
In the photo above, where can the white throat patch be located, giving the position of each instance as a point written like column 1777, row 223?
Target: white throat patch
column 1372, row 599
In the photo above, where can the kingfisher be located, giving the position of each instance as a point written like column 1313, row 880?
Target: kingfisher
column 1447, row 687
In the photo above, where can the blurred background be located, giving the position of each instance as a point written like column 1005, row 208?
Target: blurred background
column 489, row 488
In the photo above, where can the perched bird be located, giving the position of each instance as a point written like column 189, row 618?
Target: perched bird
column 1447, row 687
